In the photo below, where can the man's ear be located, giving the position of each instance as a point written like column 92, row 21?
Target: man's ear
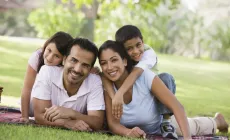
column 63, row 61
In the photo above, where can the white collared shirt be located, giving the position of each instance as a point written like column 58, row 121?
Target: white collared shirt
column 148, row 60
column 49, row 86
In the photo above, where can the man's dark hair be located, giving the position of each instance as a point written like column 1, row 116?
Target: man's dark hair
column 86, row 45
column 127, row 32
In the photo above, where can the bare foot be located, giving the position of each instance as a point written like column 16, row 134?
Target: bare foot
column 222, row 125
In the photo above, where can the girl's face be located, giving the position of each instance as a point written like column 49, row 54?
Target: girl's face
column 52, row 56
column 112, row 64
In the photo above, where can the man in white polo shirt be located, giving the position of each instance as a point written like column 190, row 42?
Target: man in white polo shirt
column 70, row 96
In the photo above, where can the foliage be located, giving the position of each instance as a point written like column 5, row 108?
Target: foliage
column 56, row 17
column 219, row 41
column 153, row 26
column 14, row 23
column 185, row 33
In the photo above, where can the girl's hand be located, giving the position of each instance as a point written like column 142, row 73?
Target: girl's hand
column 24, row 119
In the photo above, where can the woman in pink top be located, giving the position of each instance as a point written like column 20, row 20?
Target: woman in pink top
column 51, row 54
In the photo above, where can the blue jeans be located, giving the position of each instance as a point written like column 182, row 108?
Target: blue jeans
column 169, row 81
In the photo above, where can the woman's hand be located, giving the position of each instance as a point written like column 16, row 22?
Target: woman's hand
column 136, row 132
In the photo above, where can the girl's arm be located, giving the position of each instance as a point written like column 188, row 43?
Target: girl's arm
column 114, row 124
column 164, row 95
column 26, row 92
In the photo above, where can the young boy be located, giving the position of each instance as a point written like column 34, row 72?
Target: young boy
column 144, row 57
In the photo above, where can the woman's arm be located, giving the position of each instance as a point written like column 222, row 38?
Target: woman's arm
column 164, row 95
column 114, row 124
column 26, row 92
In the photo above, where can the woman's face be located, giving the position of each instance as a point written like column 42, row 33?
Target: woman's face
column 112, row 64
column 52, row 56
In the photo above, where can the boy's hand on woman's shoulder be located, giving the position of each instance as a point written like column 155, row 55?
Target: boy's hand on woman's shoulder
column 117, row 105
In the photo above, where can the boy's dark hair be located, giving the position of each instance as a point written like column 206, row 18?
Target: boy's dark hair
column 61, row 40
column 117, row 47
column 127, row 32
column 86, row 45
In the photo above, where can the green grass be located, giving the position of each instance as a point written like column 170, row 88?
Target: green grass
column 17, row 132
column 202, row 86
column 13, row 62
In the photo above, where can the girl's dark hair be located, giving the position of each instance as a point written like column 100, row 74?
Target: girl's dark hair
column 61, row 40
column 120, row 49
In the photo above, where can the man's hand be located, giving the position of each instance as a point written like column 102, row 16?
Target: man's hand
column 117, row 105
column 57, row 112
column 95, row 70
column 136, row 132
column 24, row 119
column 77, row 125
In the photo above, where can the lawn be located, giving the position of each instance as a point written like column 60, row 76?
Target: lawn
column 202, row 86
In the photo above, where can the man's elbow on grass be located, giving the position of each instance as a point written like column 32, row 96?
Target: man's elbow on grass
column 98, row 123
column 39, row 119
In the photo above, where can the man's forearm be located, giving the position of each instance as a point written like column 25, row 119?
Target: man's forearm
column 94, row 122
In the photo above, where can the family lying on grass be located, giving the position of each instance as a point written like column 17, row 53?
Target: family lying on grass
column 63, row 88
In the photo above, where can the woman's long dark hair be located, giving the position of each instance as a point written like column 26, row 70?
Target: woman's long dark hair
column 61, row 40
column 120, row 49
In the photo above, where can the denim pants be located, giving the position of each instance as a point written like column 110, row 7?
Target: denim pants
column 169, row 81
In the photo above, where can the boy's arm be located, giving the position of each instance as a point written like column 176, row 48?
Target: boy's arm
column 148, row 61
column 117, row 100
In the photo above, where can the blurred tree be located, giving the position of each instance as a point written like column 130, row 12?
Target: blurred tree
column 219, row 40
column 91, row 9
column 185, row 33
column 14, row 23
column 56, row 17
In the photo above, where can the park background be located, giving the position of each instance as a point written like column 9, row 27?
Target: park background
column 191, row 38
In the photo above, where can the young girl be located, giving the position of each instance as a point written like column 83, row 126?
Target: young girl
column 51, row 54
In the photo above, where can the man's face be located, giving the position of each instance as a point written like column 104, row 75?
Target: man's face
column 77, row 65
column 135, row 48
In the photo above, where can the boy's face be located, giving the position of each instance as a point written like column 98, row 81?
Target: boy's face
column 135, row 48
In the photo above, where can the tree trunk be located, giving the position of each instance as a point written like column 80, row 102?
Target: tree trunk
column 87, row 30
